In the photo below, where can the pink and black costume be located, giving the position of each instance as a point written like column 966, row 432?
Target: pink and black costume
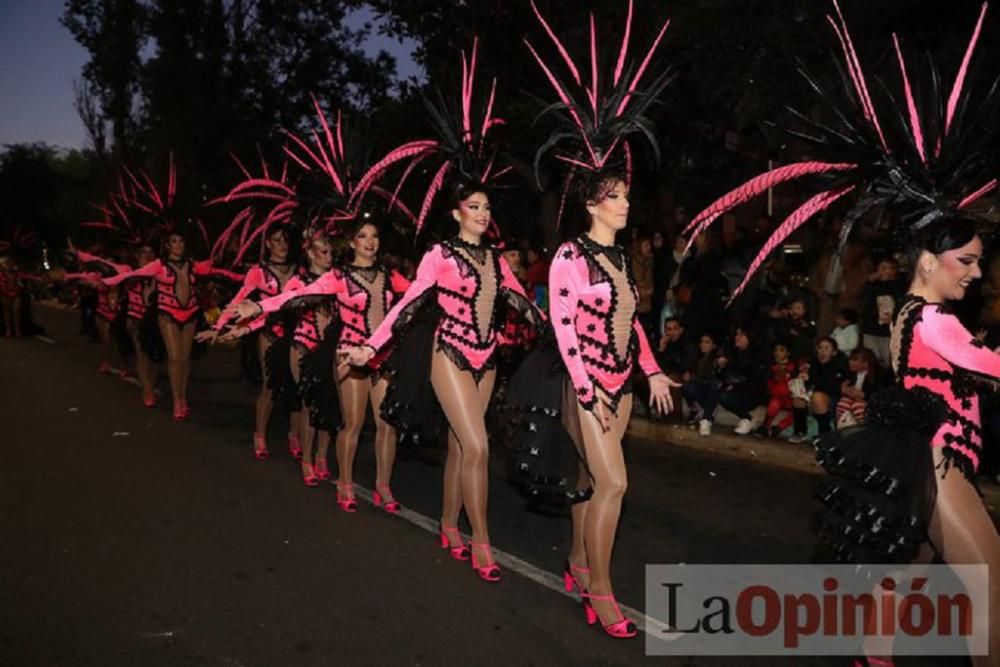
column 598, row 345
column 882, row 490
column 171, row 280
column 314, row 329
column 455, row 305
column 260, row 283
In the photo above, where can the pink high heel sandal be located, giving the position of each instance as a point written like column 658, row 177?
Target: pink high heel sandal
column 260, row 448
column 294, row 448
column 460, row 552
column 489, row 572
column 345, row 502
column 621, row 629
column 569, row 579
column 380, row 496
column 322, row 471
column 309, row 475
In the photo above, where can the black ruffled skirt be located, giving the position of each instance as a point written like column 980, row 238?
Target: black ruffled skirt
column 543, row 461
column 410, row 405
column 880, row 492
column 318, row 385
column 281, row 382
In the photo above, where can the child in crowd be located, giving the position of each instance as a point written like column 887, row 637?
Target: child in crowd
column 779, row 393
column 864, row 379
column 799, row 331
column 846, row 332
column 821, row 378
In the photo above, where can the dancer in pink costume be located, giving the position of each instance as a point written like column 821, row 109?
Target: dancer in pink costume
column 576, row 395
column 901, row 487
column 444, row 328
column 175, row 277
column 364, row 290
column 266, row 279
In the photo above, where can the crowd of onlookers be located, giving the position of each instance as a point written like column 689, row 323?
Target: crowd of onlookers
column 799, row 351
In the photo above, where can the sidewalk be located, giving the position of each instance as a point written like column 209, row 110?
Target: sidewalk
column 765, row 451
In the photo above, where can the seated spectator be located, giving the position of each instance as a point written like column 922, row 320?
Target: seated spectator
column 675, row 352
column 799, row 331
column 881, row 293
column 701, row 383
column 865, row 378
column 821, row 378
column 779, row 395
column 743, row 373
column 846, row 332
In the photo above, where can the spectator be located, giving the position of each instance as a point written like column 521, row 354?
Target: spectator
column 663, row 268
column 702, row 288
column 537, row 269
column 701, row 383
column 676, row 353
column 642, row 270
column 879, row 298
column 845, row 334
column 864, row 379
column 799, row 331
column 744, row 380
column 822, row 378
column 779, row 395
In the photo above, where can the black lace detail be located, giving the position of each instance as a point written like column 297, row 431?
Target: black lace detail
column 614, row 253
column 964, row 385
column 356, row 277
column 478, row 251
column 457, row 358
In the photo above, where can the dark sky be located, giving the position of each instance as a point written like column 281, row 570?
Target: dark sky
column 39, row 61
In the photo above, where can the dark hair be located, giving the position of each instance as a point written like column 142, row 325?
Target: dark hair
column 849, row 314
column 831, row 341
column 864, row 354
column 672, row 318
column 709, row 335
column 591, row 186
column 939, row 237
column 783, row 343
column 889, row 259
column 462, row 190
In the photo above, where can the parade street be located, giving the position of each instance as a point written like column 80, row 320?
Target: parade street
column 130, row 539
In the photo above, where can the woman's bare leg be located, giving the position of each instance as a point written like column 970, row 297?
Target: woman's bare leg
column 107, row 343
column 187, row 340
column 305, row 430
column 578, row 550
column 963, row 532
column 385, row 438
column 143, row 364
column 353, row 402
column 602, row 452
column 464, row 405
column 172, row 341
column 263, row 407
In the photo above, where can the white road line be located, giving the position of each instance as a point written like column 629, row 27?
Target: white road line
column 547, row 579
column 45, row 339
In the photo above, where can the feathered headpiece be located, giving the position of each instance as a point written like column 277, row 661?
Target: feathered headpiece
column 138, row 212
column 597, row 120
column 927, row 158
column 464, row 150
column 320, row 195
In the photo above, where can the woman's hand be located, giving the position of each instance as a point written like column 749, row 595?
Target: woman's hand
column 602, row 412
column 244, row 310
column 659, row 393
column 233, row 334
column 355, row 356
column 207, row 336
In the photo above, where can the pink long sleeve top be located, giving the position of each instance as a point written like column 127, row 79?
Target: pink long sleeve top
column 363, row 295
column 175, row 284
column 593, row 301
column 465, row 280
column 936, row 352
column 136, row 291
column 261, row 282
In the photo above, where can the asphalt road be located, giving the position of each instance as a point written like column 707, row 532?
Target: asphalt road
column 129, row 539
